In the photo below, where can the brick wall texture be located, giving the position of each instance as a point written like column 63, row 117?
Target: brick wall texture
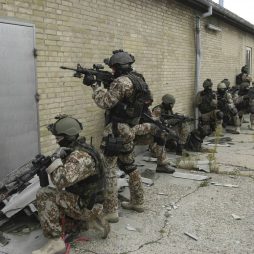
column 159, row 33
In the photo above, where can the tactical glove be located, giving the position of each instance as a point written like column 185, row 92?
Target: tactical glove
column 89, row 80
column 61, row 152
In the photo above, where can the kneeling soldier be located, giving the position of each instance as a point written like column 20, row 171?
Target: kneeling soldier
column 77, row 173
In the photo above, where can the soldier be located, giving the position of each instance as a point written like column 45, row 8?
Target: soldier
column 206, row 101
column 124, row 102
column 147, row 133
column 182, row 128
column 227, row 83
column 244, row 101
column 77, row 173
column 243, row 76
column 227, row 106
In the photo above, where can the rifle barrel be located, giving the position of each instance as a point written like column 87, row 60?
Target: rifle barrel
column 67, row 68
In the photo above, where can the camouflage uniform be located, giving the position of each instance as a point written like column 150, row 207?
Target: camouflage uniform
column 145, row 135
column 231, row 113
column 182, row 130
column 245, row 106
column 54, row 204
column 120, row 88
column 209, row 119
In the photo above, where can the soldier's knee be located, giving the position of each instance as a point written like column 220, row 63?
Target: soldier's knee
column 45, row 192
column 126, row 167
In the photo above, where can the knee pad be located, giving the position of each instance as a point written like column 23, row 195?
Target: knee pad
column 127, row 168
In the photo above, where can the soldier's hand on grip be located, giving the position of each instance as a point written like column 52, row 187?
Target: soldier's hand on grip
column 61, row 152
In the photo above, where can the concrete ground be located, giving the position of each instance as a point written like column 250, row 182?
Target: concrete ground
column 176, row 208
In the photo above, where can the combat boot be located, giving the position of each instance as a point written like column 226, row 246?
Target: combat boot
column 136, row 193
column 53, row 246
column 237, row 130
column 165, row 169
column 130, row 206
column 112, row 217
column 102, row 225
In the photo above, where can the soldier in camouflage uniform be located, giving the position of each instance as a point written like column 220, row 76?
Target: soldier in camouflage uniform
column 243, row 76
column 181, row 128
column 77, row 173
column 123, row 101
column 147, row 133
column 244, row 101
column 227, row 106
column 211, row 117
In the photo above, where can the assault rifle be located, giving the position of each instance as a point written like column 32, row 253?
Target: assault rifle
column 175, row 119
column 92, row 75
column 171, row 133
column 18, row 183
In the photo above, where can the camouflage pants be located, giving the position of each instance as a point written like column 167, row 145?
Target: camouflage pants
column 54, row 205
column 183, row 131
column 124, row 160
column 210, row 122
column 145, row 136
column 249, row 109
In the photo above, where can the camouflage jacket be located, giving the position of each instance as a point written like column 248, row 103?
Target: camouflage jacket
column 119, row 89
column 77, row 166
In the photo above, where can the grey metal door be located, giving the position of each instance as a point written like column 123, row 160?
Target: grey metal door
column 18, row 108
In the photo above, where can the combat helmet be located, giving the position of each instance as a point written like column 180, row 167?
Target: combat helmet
column 168, row 99
column 222, row 87
column 226, row 82
column 207, row 83
column 65, row 126
column 120, row 57
column 245, row 69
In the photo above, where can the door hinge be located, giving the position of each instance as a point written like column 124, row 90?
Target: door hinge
column 37, row 97
column 35, row 52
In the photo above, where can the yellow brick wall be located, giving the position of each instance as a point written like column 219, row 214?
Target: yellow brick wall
column 159, row 33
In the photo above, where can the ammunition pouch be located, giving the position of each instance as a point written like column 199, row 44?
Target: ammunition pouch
column 113, row 145
column 207, row 104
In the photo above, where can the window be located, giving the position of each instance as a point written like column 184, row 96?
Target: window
column 249, row 59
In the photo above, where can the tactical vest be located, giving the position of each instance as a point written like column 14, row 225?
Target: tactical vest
column 222, row 101
column 130, row 109
column 91, row 189
column 206, row 104
column 239, row 79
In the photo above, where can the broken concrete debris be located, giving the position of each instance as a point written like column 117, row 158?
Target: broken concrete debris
column 191, row 236
column 162, row 194
column 190, row 176
column 147, row 181
column 149, row 159
column 130, row 228
column 236, row 217
column 225, row 185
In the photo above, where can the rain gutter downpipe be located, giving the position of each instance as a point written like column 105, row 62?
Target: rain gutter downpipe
column 198, row 55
